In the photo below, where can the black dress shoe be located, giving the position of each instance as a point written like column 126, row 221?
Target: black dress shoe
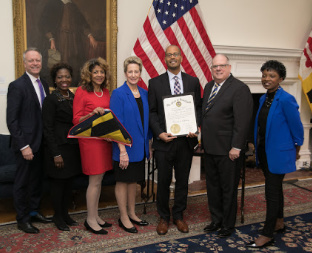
column 212, row 227
column 225, row 232
column 40, row 218
column 129, row 230
column 60, row 224
column 255, row 246
column 140, row 223
column 70, row 222
column 105, row 225
column 98, row 232
column 27, row 227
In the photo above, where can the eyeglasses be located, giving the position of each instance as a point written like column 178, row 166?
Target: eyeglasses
column 174, row 55
column 222, row 66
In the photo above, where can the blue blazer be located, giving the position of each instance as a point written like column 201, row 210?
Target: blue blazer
column 284, row 131
column 125, row 107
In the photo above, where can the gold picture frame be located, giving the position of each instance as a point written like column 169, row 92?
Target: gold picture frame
column 20, row 37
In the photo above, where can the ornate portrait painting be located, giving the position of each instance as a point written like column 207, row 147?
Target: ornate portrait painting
column 70, row 31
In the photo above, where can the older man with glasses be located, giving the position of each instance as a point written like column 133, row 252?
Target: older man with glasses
column 226, row 117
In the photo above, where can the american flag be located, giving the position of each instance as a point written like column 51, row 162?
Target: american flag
column 177, row 22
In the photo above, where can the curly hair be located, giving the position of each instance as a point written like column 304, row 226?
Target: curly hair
column 132, row 60
column 86, row 73
column 56, row 67
column 276, row 66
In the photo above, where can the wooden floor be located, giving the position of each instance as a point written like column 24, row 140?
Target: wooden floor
column 253, row 178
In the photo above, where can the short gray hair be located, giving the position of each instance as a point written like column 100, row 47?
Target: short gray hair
column 31, row 49
column 133, row 59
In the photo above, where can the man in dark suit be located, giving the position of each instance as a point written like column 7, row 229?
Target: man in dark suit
column 226, row 117
column 172, row 151
column 24, row 121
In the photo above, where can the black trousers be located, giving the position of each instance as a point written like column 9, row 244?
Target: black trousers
column 27, row 188
column 179, row 157
column 60, row 195
column 273, row 194
column 222, row 179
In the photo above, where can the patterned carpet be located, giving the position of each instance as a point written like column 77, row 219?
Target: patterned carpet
column 297, row 238
column 297, row 201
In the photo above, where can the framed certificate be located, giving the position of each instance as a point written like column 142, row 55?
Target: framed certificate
column 180, row 114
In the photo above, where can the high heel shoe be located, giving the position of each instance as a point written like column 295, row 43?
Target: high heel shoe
column 129, row 230
column 105, row 225
column 140, row 223
column 255, row 246
column 99, row 232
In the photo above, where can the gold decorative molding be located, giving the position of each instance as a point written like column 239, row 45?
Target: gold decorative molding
column 20, row 37
column 19, row 29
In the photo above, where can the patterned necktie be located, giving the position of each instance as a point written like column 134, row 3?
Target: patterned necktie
column 177, row 86
column 41, row 91
column 213, row 94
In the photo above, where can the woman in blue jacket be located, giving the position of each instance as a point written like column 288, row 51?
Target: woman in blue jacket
column 129, row 103
column 278, row 137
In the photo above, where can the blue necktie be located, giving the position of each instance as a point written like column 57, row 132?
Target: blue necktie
column 177, row 86
column 41, row 91
column 213, row 94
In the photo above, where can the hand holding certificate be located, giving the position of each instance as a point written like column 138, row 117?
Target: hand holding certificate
column 180, row 114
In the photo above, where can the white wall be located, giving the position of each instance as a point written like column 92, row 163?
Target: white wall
column 7, row 57
column 251, row 23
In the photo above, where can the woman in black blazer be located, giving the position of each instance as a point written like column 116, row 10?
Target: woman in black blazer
column 62, row 155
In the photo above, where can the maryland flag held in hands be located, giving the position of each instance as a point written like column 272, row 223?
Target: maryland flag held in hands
column 305, row 70
column 105, row 126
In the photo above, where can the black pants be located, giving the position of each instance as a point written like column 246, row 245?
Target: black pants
column 273, row 194
column 178, row 156
column 222, row 178
column 61, row 195
column 27, row 190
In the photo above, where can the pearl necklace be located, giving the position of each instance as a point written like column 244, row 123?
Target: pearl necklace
column 135, row 92
column 97, row 94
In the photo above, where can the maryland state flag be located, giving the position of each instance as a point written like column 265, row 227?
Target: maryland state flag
column 105, row 126
column 305, row 70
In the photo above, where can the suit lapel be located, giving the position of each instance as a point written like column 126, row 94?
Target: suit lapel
column 134, row 105
column 221, row 91
column 166, row 84
column 31, row 89
column 207, row 92
column 145, row 112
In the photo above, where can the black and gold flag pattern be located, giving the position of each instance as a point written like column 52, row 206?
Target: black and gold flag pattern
column 105, row 126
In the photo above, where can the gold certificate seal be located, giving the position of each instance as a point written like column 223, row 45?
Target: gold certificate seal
column 175, row 128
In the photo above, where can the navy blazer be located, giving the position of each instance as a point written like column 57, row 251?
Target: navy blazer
column 125, row 107
column 24, row 119
column 284, row 131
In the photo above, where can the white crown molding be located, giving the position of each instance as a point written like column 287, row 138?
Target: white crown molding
column 258, row 51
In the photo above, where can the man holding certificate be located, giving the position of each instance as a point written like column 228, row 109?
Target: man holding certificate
column 227, row 111
column 175, row 106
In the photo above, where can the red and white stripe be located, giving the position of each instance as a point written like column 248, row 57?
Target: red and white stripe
column 188, row 33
